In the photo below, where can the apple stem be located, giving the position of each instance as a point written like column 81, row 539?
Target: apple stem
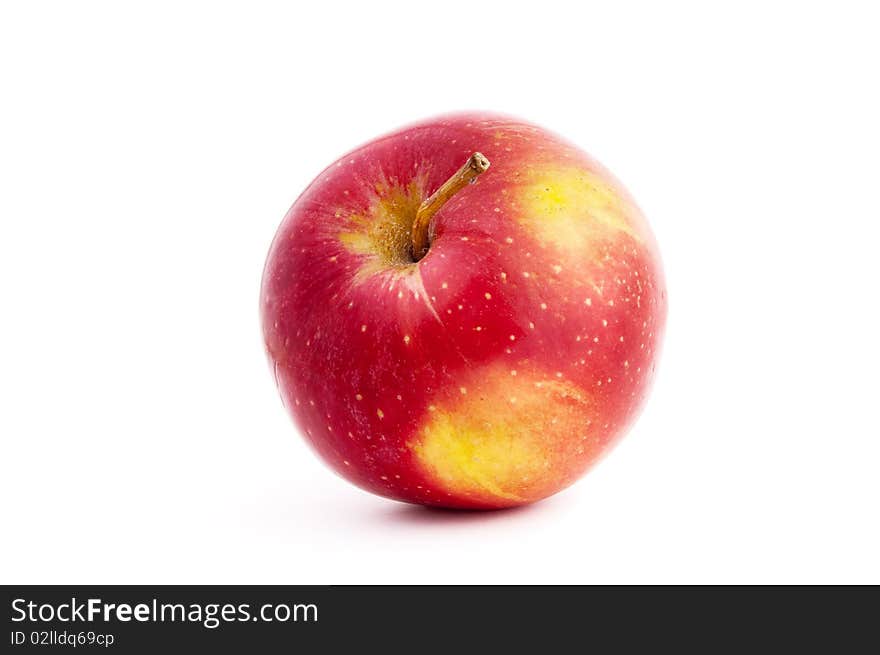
column 465, row 175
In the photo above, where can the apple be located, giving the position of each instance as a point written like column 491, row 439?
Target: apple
column 465, row 313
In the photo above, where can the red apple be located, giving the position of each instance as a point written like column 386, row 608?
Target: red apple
column 459, row 334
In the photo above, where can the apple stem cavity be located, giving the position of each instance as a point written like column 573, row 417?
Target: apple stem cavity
column 467, row 174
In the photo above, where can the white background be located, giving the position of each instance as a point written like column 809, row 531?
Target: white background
column 148, row 152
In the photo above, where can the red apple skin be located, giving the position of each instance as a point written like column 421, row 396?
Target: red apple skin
column 497, row 369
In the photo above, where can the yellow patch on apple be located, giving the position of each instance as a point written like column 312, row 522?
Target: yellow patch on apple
column 509, row 440
column 572, row 208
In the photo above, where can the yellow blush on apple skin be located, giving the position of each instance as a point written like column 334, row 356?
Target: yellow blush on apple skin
column 571, row 209
column 508, row 439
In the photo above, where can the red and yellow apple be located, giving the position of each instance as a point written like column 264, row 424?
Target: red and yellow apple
column 465, row 313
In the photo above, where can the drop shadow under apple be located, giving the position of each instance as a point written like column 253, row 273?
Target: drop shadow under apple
column 405, row 514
